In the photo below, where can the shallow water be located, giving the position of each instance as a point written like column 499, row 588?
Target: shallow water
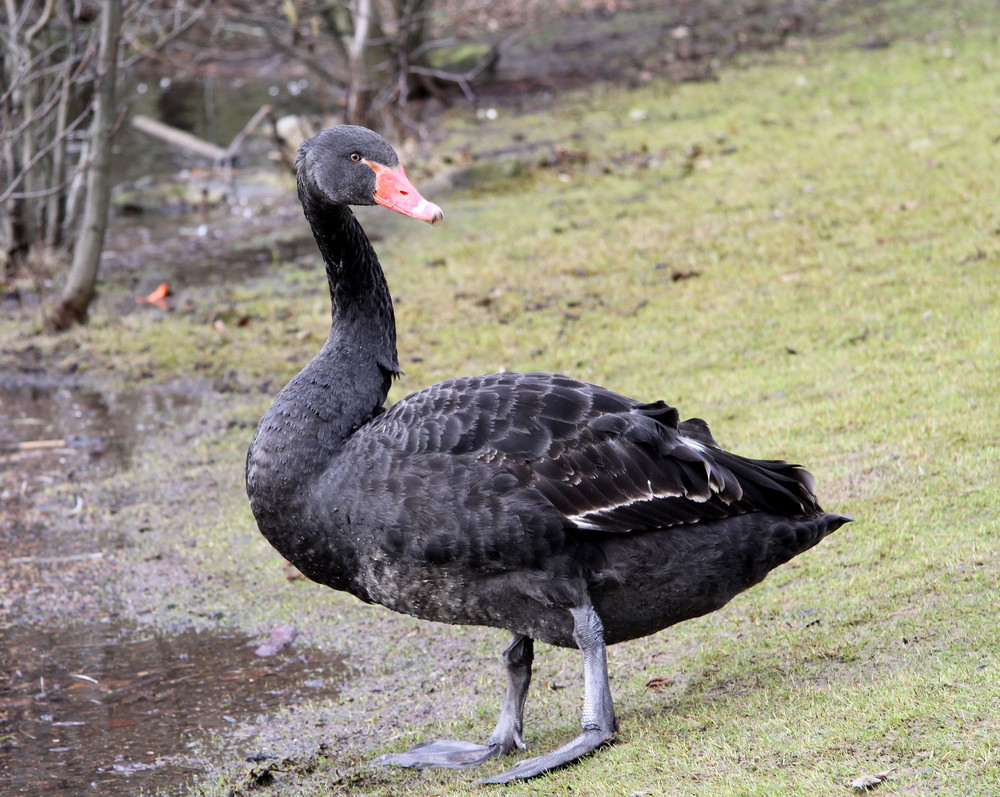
column 48, row 423
column 89, row 702
column 106, row 710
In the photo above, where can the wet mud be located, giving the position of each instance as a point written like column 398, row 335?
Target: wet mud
column 89, row 702
column 107, row 710
column 56, row 440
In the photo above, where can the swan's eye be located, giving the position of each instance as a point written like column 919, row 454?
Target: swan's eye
column 355, row 157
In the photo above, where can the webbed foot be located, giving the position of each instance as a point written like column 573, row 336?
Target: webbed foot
column 453, row 754
column 585, row 743
column 442, row 753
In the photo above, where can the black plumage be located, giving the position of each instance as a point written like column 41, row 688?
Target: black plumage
column 556, row 509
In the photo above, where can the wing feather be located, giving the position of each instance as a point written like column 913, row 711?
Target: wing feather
column 602, row 461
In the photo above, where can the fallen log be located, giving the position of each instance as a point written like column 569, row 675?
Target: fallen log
column 179, row 138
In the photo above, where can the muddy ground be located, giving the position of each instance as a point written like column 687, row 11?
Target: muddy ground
column 95, row 697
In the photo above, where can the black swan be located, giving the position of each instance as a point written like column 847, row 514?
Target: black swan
column 556, row 509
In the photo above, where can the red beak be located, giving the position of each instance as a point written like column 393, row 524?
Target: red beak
column 394, row 191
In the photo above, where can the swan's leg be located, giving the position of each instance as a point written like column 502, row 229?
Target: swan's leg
column 453, row 754
column 517, row 661
column 599, row 722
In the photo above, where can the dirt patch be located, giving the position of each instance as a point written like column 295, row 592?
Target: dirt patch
column 57, row 440
column 629, row 43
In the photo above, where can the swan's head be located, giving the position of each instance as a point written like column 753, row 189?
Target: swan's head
column 349, row 165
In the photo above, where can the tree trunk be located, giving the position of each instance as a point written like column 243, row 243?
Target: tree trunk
column 71, row 308
column 55, row 212
column 357, row 85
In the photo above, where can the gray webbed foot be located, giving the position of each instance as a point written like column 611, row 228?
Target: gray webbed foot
column 585, row 743
column 442, row 753
column 453, row 754
column 599, row 722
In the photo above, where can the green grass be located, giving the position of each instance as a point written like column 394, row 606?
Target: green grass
column 831, row 216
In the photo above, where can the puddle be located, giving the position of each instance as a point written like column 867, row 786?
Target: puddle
column 55, row 434
column 102, row 710
column 89, row 704
column 79, row 429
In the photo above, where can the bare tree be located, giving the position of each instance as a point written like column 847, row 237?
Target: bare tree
column 59, row 68
column 369, row 57
column 38, row 70
column 79, row 290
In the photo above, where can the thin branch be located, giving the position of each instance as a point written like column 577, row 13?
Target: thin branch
column 16, row 180
column 43, row 20
column 143, row 52
column 54, row 91
column 32, row 71
column 80, row 168
column 337, row 36
column 50, row 103
column 433, row 44
column 17, row 22
column 311, row 63
column 237, row 142
column 463, row 79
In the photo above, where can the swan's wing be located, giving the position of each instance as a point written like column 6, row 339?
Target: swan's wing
column 642, row 469
column 604, row 462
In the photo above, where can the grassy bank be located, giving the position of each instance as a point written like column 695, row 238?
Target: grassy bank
column 804, row 252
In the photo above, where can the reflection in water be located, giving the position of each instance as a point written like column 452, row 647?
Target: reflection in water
column 96, row 429
column 100, row 710
column 54, row 537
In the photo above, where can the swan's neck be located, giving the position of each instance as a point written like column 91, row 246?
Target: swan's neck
column 345, row 385
column 363, row 320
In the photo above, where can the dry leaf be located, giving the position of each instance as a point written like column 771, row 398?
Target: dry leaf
column 157, row 298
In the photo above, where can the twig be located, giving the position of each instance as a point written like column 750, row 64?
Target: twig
column 43, row 20
column 143, row 52
column 80, row 169
column 54, row 560
column 248, row 128
column 35, row 445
